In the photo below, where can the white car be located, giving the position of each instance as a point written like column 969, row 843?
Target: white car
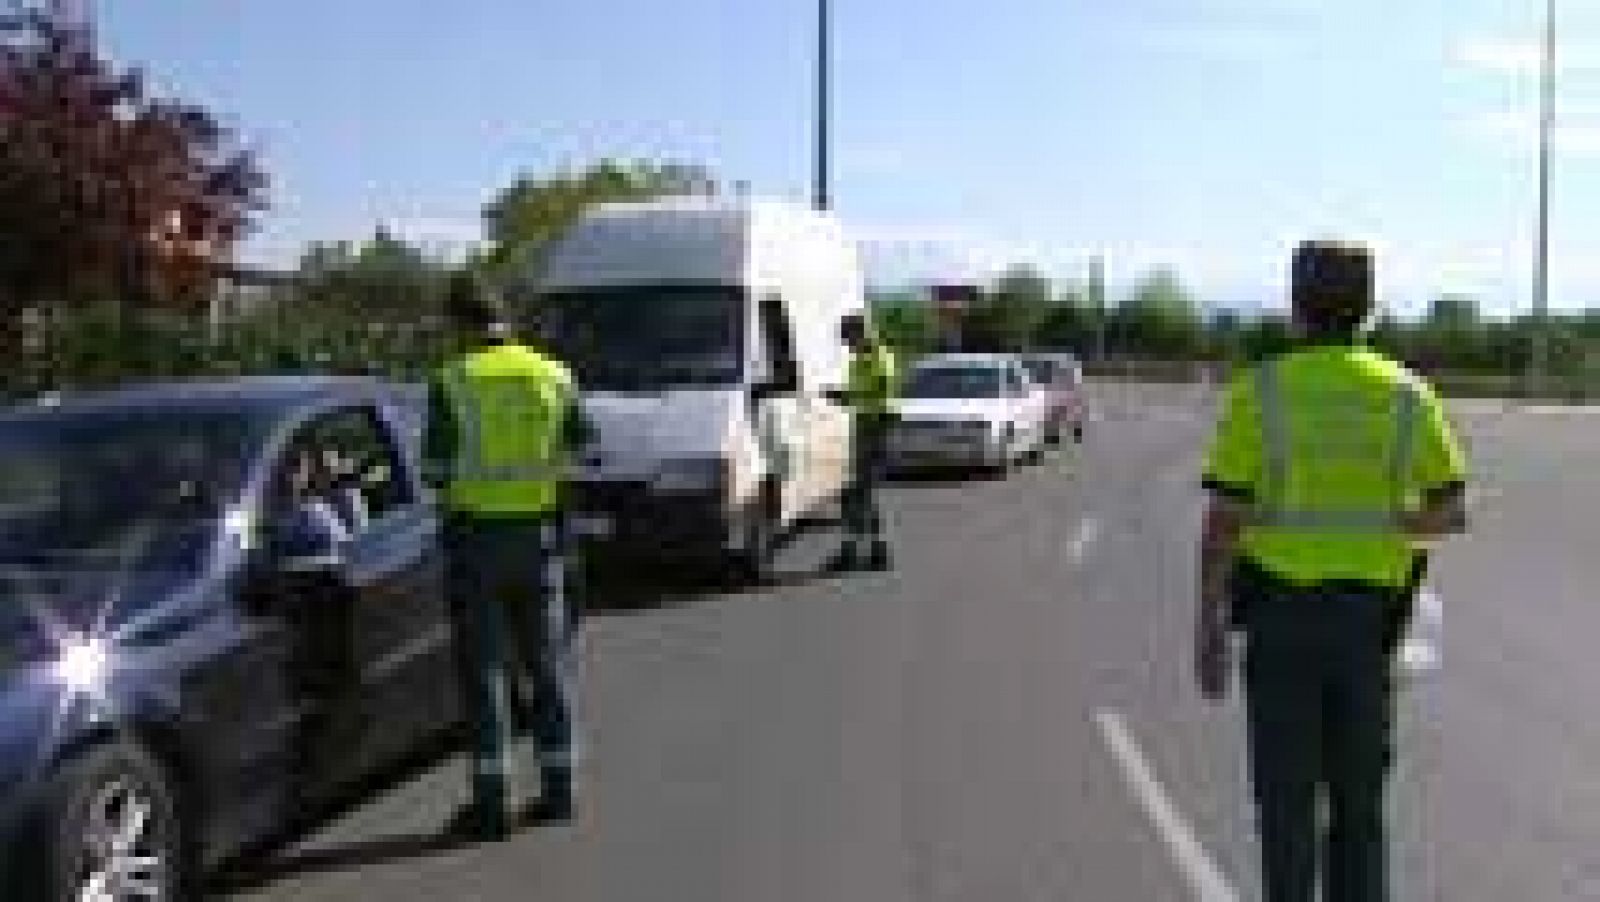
column 968, row 410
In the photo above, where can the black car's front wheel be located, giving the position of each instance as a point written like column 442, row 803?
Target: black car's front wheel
column 113, row 831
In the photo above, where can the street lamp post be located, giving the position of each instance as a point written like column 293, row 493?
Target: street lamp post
column 821, row 194
column 1097, row 300
column 1539, row 352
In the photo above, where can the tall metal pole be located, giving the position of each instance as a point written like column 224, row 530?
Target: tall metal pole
column 1539, row 357
column 1097, row 300
column 821, row 195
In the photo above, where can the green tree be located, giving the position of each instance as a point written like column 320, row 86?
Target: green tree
column 905, row 321
column 370, row 306
column 106, row 192
column 1225, row 336
column 381, row 278
column 1008, row 316
column 1160, row 319
column 1450, row 336
column 1070, row 322
column 1269, row 335
column 536, row 208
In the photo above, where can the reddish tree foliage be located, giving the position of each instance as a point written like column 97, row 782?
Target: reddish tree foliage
column 106, row 192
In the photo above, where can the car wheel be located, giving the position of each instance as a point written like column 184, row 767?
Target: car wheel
column 1035, row 453
column 753, row 564
column 1077, row 433
column 113, row 831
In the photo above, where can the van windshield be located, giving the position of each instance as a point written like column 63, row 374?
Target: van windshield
column 646, row 338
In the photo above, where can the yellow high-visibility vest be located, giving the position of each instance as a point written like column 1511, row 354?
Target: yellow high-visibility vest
column 510, row 405
column 873, row 381
column 1331, row 446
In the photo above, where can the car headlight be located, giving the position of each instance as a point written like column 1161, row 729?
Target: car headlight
column 690, row 476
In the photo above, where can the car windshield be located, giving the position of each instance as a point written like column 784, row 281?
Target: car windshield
column 647, row 338
column 116, row 490
column 954, row 382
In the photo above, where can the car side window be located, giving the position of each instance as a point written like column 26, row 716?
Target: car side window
column 355, row 464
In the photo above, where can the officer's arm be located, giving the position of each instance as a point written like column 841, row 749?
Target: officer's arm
column 440, row 437
column 1444, row 513
column 1225, row 520
column 1440, row 466
column 846, row 395
column 1232, row 469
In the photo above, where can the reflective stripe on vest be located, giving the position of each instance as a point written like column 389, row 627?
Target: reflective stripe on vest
column 1275, row 444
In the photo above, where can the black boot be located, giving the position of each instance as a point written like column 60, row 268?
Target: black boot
column 844, row 560
column 880, row 558
column 557, row 797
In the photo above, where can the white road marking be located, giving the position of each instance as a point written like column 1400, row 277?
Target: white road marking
column 1088, row 532
column 1203, row 875
column 1422, row 651
column 1429, row 606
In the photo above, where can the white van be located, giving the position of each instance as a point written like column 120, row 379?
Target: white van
column 703, row 333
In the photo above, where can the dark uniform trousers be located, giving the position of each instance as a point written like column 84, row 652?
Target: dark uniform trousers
column 514, row 636
column 863, row 520
column 1319, row 695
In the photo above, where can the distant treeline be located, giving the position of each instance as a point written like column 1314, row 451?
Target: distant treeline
column 373, row 307
column 1160, row 320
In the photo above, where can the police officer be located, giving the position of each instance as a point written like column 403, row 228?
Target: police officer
column 502, row 424
column 1331, row 466
column 873, row 382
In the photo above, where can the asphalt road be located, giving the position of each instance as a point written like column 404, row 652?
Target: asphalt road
column 1009, row 715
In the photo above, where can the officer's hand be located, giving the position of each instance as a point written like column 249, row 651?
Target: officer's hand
column 1213, row 662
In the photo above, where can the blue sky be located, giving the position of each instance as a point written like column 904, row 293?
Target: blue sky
column 1204, row 135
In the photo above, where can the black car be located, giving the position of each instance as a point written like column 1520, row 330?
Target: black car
column 177, row 680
